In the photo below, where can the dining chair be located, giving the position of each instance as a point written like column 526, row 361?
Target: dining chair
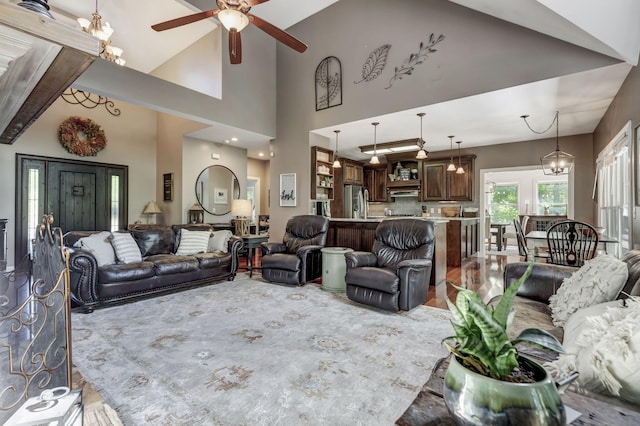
column 571, row 242
column 509, row 235
column 489, row 231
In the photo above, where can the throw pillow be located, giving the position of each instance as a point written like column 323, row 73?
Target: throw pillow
column 219, row 241
column 127, row 251
column 598, row 280
column 100, row 246
column 193, row 242
column 606, row 351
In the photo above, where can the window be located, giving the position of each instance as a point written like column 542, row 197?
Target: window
column 503, row 204
column 552, row 197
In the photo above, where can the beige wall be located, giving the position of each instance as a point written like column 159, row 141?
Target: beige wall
column 130, row 141
column 260, row 169
column 624, row 108
column 479, row 54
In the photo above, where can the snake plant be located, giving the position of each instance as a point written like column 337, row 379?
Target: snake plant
column 481, row 335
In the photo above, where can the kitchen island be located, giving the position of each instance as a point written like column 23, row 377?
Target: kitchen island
column 359, row 235
column 462, row 239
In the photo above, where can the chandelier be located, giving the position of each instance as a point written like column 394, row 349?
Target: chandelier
column 422, row 154
column 104, row 33
column 556, row 162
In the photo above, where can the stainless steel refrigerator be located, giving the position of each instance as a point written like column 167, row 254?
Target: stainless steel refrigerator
column 355, row 202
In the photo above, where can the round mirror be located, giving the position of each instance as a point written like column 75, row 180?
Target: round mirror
column 216, row 186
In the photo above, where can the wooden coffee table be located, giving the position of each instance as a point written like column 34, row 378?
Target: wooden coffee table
column 429, row 409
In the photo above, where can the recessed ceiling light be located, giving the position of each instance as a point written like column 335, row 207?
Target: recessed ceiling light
column 234, row 139
column 260, row 154
column 227, row 141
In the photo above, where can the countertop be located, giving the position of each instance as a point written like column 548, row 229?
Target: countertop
column 381, row 218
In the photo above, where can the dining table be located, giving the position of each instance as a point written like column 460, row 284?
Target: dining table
column 538, row 239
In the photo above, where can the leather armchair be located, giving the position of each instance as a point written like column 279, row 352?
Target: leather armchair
column 298, row 258
column 395, row 274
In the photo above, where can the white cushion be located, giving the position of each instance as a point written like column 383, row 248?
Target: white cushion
column 605, row 349
column 598, row 280
column 100, row 246
column 127, row 251
column 219, row 241
column 193, row 242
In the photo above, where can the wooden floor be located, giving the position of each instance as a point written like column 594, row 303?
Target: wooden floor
column 480, row 274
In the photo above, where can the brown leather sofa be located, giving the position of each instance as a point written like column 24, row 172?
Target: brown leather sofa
column 160, row 270
column 395, row 275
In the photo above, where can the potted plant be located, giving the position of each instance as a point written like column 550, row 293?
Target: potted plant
column 488, row 381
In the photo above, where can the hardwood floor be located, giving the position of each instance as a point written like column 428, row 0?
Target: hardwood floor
column 480, row 274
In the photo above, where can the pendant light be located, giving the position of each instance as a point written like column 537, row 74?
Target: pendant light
column 460, row 170
column 336, row 162
column 374, row 158
column 556, row 162
column 422, row 154
column 451, row 167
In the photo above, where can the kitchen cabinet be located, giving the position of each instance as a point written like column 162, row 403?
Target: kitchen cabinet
column 322, row 182
column 375, row 180
column 462, row 240
column 443, row 185
column 406, row 172
column 353, row 173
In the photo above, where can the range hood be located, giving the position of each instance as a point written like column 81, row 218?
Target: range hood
column 39, row 59
column 404, row 193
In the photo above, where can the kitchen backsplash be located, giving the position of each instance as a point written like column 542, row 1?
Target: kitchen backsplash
column 412, row 207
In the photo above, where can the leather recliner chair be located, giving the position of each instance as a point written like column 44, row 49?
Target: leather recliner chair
column 395, row 274
column 298, row 258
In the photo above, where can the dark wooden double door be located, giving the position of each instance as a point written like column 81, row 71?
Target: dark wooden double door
column 81, row 196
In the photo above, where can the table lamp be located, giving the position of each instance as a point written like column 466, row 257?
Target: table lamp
column 151, row 209
column 241, row 209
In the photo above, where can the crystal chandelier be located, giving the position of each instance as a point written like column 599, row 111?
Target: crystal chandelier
column 102, row 32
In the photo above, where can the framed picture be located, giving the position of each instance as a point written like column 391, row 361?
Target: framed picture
column 220, row 196
column 167, row 187
column 288, row 190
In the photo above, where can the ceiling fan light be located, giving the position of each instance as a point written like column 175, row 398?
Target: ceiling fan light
column 233, row 19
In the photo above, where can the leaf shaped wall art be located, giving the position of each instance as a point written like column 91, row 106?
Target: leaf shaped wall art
column 415, row 59
column 375, row 63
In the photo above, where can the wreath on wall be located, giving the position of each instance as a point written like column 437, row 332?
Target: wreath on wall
column 82, row 136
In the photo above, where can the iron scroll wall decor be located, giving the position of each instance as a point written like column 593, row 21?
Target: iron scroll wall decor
column 89, row 100
column 328, row 83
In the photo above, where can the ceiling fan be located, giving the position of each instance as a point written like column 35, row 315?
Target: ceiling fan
column 234, row 16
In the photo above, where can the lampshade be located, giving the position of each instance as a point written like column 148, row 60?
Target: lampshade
column 422, row 153
column 241, row 208
column 336, row 162
column 233, row 19
column 152, row 208
column 374, row 157
column 451, row 167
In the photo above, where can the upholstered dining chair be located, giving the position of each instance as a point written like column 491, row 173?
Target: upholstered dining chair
column 571, row 242
column 395, row 274
column 297, row 259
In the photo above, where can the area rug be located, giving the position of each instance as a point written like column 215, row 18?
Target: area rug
column 248, row 352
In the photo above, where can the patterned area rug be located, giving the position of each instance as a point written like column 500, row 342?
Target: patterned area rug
column 248, row 352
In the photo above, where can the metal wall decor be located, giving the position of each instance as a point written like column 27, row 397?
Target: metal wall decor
column 328, row 83
column 89, row 100
column 415, row 59
column 375, row 63
column 35, row 337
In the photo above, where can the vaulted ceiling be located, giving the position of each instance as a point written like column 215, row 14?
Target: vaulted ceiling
column 611, row 31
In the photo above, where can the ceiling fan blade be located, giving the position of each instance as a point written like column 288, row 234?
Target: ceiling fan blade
column 178, row 22
column 235, row 47
column 275, row 32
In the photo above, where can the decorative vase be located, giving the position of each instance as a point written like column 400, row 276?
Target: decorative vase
column 473, row 399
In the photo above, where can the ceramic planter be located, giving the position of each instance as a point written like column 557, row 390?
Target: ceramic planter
column 473, row 399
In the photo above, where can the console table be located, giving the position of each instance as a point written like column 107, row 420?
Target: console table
column 429, row 409
column 251, row 242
